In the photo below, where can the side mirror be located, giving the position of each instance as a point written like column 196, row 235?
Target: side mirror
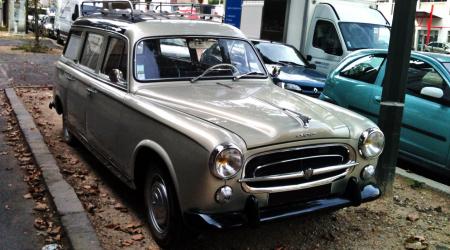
column 74, row 16
column 308, row 57
column 116, row 76
column 432, row 92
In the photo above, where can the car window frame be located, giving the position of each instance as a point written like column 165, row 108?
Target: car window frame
column 105, row 78
column 102, row 51
column 133, row 56
column 380, row 70
column 442, row 100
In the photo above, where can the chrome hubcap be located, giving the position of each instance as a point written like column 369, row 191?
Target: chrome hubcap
column 158, row 205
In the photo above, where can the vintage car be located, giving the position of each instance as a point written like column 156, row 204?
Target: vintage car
column 357, row 84
column 186, row 111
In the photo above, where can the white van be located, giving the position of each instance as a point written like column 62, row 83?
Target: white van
column 325, row 31
column 336, row 30
column 69, row 10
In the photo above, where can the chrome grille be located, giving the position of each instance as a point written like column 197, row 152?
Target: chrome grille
column 296, row 168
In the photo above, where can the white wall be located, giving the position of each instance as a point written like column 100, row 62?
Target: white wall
column 251, row 18
column 295, row 23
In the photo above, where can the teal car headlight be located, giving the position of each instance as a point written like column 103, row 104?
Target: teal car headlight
column 226, row 161
column 371, row 143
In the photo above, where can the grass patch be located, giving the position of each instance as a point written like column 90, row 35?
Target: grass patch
column 33, row 48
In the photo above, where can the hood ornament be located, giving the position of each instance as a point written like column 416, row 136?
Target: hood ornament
column 300, row 118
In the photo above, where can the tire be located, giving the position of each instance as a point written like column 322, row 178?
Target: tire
column 67, row 135
column 58, row 38
column 161, row 206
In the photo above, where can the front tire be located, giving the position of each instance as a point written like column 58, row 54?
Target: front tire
column 163, row 213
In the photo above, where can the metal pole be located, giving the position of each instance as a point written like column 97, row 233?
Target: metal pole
column 393, row 96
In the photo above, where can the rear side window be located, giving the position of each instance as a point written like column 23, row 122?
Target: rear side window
column 92, row 50
column 73, row 44
column 364, row 69
column 326, row 38
column 116, row 57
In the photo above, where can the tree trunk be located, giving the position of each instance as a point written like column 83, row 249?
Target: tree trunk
column 36, row 26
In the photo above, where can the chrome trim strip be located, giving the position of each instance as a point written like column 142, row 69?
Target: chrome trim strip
column 292, row 187
column 299, row 174
column 295, row 159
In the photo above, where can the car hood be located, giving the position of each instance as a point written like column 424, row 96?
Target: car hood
column 302, row 76
column 261, row 114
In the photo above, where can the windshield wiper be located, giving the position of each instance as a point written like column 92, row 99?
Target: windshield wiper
column 291, row 63
column 216, row 67
column 236, row 78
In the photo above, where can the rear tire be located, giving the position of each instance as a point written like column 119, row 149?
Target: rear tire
column 163, row 213
column 58, row 38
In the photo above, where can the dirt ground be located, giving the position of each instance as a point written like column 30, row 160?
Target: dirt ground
column 415, row 218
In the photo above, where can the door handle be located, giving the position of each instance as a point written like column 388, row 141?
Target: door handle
column 91, row 91
column 377, row 99
column 69, row 77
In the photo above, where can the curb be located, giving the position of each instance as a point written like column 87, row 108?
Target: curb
column 74, row 218
column 430, row 183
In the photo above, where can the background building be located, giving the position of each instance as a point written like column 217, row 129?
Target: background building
column 439, row 10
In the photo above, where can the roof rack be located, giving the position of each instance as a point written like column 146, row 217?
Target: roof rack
column 179, row 10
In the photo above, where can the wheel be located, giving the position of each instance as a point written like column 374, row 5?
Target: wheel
column 58, row 38
column 67, row 135
column 163, row 213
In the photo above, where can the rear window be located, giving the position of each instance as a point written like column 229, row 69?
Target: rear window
column 72, row 45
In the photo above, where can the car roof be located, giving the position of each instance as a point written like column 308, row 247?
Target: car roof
column 433, row 56
column 145, row 25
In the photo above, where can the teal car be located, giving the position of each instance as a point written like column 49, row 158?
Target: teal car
column 356, row 84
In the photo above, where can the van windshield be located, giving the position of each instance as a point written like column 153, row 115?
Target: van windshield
column 365, row 35
column 184, row 58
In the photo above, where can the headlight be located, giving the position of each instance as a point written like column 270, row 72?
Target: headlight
column 293, row 87
column 226, row 161
column 371, row 143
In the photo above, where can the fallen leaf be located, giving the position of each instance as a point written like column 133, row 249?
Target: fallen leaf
column 40, row 206
column 120, row 207
column 412, row 217
column 126, row 243
column 27, row 196
column 137, row 237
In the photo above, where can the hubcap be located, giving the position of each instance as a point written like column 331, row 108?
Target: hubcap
column 158, row 205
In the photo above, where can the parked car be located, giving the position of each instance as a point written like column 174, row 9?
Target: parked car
column 47, row 26
column 425, row 134
column 202, row 129
column 295, row 73
column 438, row 47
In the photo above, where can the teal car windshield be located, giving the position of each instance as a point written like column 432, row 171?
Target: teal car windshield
column 186, row 58
column 365, row 35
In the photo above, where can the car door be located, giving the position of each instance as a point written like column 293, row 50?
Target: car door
column 353, row 86
column 105, row 101
column 426, row 120
column 71, row 77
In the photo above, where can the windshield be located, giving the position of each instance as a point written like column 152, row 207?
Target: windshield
column 188, row 57
column 273, row 53
column 365, row 36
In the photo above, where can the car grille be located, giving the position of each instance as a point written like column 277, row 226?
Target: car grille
column 311, row 91
column 297, row 168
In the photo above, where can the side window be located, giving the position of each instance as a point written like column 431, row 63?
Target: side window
column 422, row 74
column 116, row 57
column 72, row 45
column 364, row 69
column 92, row 50
column 326, row 38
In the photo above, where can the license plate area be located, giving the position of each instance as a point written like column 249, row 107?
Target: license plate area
column 284, row 198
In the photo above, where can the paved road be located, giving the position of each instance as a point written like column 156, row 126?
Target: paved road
column 16, row 218
column 26, row 69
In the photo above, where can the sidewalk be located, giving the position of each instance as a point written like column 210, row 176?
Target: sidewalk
column 16, row 227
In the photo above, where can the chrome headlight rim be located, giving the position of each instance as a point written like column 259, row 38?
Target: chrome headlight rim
column 216, row 153
column 363, row 140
